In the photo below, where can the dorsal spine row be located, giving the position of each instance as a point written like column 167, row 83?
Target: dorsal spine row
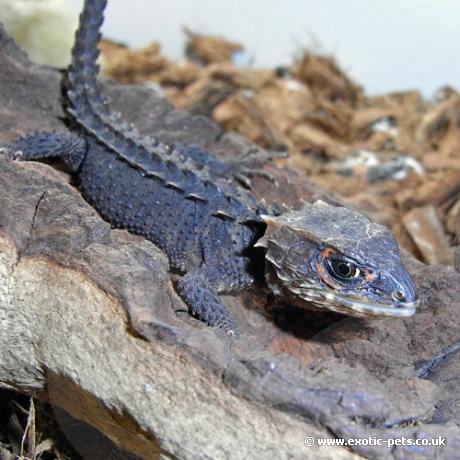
column 152, row 158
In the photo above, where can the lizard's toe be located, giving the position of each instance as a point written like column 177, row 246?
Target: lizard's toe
column 228, row 326
column 11, row 154
column 233, row 332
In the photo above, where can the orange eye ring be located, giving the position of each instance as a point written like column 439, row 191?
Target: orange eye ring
column 326, row 253
column 354, row 272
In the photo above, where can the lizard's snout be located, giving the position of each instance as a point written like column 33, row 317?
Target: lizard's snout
column 403, row 290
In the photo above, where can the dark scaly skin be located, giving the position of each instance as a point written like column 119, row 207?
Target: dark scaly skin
column 176, row 198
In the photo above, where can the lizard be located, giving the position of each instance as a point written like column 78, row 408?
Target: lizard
column 214, row 233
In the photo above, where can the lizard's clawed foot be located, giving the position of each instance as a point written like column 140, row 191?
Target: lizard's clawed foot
column 228, row 326
column 11, row 154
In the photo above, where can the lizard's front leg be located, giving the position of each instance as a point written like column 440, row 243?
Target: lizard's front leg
column 40, row 145
column 200, row 296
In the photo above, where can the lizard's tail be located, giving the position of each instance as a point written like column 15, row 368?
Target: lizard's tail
column 82, row 85
column 90, row 111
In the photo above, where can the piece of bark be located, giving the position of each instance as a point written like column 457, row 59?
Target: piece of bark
column 312, row 138
column 324, row 76
column 208, row 49
column 244, row 111
column 128, row 66
column 435, row 192
column 364, row 118
column 439, row 125
column 88, row 321
column 453, row 220
column 435, row 162
column 427, row 232
column 240, row 77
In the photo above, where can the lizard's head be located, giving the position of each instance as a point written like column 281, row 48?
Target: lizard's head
column 336, row 259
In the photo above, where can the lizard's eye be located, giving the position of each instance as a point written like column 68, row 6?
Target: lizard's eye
column 342, row 270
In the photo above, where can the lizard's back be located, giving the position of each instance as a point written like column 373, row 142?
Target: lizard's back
column 188, row 230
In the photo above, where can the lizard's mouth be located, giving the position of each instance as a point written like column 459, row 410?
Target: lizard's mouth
column 358, row 307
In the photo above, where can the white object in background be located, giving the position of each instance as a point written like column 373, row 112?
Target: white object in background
column 43, row 28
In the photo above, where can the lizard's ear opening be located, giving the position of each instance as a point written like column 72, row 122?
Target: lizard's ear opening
column 273, row 224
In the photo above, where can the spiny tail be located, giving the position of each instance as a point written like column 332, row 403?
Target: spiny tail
column 90, row 110
column 83, row 87
column 86, row 104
